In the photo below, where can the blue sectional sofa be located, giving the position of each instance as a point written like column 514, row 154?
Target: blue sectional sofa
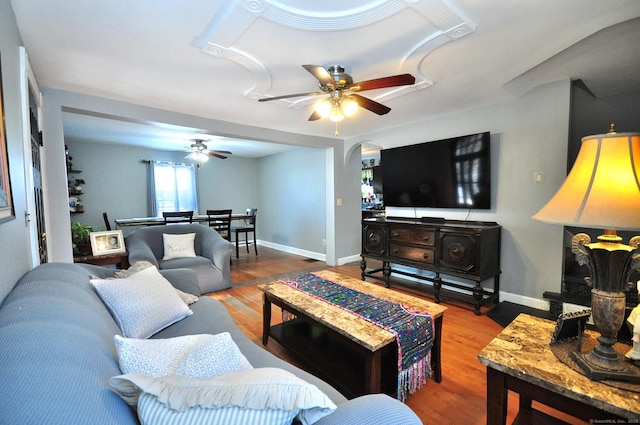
column 58, row 356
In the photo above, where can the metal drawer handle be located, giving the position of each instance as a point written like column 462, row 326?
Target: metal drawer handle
column 395, row 234
column 425, row 255
column 395, row 250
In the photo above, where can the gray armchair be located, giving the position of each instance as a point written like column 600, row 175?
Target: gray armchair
column 211, row 263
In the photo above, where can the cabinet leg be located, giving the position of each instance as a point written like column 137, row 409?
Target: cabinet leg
column 437, row 285
column 478, row 293
column 363, row 267
column 386, row 271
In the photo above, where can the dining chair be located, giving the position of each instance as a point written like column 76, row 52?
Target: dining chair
column 248, row 227
column 220, row 221
column 107, row 225
column 171, row 217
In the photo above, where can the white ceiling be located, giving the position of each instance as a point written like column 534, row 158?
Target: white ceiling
column 214, row 59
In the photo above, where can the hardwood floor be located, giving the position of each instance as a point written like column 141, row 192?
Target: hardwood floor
column 461, row 396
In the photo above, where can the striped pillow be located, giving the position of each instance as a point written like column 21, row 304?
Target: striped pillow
column 265, row 392
column 151, row 411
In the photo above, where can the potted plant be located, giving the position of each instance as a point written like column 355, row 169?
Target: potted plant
column 80, row 238
column 78, row 185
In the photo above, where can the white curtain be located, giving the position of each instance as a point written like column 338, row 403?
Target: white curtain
column 171, row 187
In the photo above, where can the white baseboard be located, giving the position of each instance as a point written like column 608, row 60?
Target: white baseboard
column 303, row 253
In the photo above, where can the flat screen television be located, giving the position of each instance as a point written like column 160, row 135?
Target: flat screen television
column 449, row 173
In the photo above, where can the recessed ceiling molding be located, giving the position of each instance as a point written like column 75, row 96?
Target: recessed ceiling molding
column 261, row 77
column 232, row 21
column 331, row 20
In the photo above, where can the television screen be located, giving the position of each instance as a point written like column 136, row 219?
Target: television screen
column 450, row 173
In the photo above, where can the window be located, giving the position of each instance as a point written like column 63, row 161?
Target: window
column 172, row 187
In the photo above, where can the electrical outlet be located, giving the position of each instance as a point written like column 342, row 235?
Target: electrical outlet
column 538, row 177
column 324, row 242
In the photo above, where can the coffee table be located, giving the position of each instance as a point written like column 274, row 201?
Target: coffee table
column 353, row 354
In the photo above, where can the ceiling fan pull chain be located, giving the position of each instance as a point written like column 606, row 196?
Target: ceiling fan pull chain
column 336, row 132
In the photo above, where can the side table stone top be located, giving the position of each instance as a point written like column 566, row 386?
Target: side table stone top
column 522, row 350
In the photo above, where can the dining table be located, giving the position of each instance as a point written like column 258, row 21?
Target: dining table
column 155, row 221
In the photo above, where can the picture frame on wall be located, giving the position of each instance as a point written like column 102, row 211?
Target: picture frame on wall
column 7, row 211
column 107, row 242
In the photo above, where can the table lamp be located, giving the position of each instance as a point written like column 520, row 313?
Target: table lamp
column 602, row 191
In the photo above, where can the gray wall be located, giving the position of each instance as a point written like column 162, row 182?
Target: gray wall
column 288, row 189
column 527, row 134
column 292, row 196
column 116, row 181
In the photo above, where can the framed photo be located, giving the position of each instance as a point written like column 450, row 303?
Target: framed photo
column 6, row 199
column 109, row 242
column 570, row 325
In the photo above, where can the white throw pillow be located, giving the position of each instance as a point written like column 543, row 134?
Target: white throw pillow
column 141, row 265
column 178, row 245
column 257, row 389
column 142, row 304
column 197, row 356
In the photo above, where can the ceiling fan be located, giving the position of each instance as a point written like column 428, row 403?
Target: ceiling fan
column 343, row 98
column 200, row 152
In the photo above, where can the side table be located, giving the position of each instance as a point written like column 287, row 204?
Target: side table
column 121, row 260
column 520, row 359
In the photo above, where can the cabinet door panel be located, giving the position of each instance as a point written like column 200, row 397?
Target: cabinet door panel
column 374, row 239
column 458, row 251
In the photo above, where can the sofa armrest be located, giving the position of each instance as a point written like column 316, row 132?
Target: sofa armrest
column 185, row 280
column 138, row 250
column 371, row 409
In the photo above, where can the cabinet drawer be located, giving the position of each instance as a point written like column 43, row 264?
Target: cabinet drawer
column 423, row 255
column 413, row 235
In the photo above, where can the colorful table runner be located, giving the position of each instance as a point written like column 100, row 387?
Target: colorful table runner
column 413, row 330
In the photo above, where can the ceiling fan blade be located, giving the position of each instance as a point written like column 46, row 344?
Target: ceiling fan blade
column 321, row 74
column 371, row 105
column 315, row 116
column 217, row 155
column 220, row 152
column 384, row 82
column 286, row 96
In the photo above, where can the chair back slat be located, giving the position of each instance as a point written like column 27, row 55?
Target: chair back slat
column 220, row 221
column 177, row 217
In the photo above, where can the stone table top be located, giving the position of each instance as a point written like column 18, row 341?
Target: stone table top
column 522, row 350
column 345, row 323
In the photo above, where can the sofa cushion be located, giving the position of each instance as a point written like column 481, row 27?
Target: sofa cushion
column 143, row 303
column 178, row 246
column 197, row 356
column 257, row 389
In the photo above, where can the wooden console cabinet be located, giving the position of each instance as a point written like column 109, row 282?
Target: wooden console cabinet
column 469, row 250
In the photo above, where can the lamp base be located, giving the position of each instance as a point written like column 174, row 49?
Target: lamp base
column 599, row 368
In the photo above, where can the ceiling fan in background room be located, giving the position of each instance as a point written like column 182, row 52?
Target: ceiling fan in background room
column 342, row 99
column 200, row 153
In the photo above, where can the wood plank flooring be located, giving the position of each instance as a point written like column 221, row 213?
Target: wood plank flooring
column 461, row 396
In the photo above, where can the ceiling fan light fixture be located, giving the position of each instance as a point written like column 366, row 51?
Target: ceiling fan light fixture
column 337, row 114
column 198, row 156
column 349, row 106
column 323, row 108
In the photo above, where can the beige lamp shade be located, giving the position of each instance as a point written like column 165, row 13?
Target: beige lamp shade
column 602, row 189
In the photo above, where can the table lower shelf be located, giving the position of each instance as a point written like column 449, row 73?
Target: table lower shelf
column 335, row 358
